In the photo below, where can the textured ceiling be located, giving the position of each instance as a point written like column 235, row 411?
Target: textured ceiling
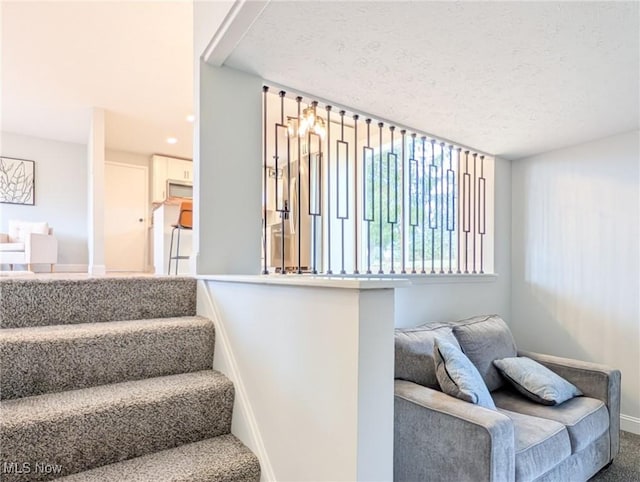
column 508, row 78
column 134, row 59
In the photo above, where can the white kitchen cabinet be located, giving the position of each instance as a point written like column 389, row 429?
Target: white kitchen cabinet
column 168, row 168
column 159, row 178
column 180, row 170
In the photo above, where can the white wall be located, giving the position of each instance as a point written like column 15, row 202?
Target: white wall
column 95, row 187
column 61, row 192
column 207, row 18
column 576, row 257
column 228, row 160
column 123, row 157
column 462, row 298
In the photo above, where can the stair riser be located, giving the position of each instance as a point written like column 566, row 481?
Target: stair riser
column 32, row 367
column 36, row 302
column 115, row 433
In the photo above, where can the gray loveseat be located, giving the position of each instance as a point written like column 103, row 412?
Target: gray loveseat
column 441, row 438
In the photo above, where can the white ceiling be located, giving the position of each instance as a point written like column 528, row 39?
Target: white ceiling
column 507, row 78
column 134, row 59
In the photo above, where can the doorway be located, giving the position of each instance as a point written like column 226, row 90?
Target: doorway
column 125, row 217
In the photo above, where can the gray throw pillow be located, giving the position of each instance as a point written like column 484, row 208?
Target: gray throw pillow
column 484, row 339
column 414, row 352
column 458, row 377
column 536, row 381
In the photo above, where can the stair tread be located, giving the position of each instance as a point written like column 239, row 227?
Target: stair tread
column 222, row 458
column 75, row 403
column 89, row 330
column 38, row 302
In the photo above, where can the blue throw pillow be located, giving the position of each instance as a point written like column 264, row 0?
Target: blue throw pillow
column 536, row 381
column 458, row 377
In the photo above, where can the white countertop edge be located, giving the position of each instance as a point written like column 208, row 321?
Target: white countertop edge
column 351, row 282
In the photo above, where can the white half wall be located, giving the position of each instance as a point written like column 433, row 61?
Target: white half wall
column 460, row 297
column 60, row 197
column 576, row 289
column 313, row 369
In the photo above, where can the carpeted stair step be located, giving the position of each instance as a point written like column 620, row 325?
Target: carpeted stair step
column 84, row 429
column 39, row 302
column 220, row 459
column 46, row 359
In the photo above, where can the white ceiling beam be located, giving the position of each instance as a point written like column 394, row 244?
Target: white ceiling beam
column 233, row 28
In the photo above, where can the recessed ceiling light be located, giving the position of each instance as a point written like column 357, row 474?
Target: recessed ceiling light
column 190, row 118
column 171, row 140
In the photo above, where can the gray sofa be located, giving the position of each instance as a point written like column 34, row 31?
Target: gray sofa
column 441, row 438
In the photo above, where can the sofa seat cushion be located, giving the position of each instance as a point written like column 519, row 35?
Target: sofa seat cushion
column 540, row 444
column 414, row 360
column 11, row 247
column 585, row 418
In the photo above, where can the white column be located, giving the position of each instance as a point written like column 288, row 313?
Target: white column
column 95, row 182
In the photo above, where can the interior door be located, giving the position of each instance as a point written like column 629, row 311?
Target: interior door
column 125, row 217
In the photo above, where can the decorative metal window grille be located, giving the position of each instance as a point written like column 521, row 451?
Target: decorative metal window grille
column 344, row 194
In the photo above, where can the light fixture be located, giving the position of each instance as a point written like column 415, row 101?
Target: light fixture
column 190, row 118
column 309, row 122
column 171, row 140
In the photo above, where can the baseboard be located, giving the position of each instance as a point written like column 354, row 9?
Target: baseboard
column 97, row 269
column 630, row 424
column 244, row 425
column 69, row 268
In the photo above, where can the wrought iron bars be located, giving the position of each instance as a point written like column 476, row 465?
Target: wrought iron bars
column 482, row 213
column 414, row 200
column 433, row 203
column 329, row 197
column 342, row 184
column 380, row 270
column 442, row 197
column 392, row 201
column 265, row 270
column 315, row 190
column 356, row 258
column 451, row 205
column 281, row 134
column 368, row 195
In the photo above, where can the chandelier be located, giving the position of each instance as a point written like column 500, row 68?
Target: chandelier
column 309, row 122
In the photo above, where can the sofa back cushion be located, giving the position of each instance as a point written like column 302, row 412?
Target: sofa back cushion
column 414, row 352
column 484, row 339
column 18, row 230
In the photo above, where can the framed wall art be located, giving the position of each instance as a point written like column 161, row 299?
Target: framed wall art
column 17, row 181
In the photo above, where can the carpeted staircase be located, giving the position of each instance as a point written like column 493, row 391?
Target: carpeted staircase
column 111, row 379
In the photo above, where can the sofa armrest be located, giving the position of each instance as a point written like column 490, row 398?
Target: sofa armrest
column 4, row 238
column 594, row 380
column 41, row 248
column 438, row 437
